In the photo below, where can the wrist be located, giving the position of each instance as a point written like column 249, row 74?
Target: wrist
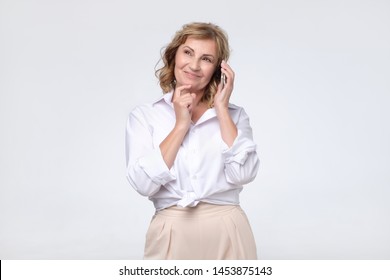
column 222, row 111
column 181, row 127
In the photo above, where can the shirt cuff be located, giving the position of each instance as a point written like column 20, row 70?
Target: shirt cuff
column 240, row 149
column 155, row 167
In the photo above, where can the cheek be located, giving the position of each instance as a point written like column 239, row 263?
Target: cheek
column 178, row 65
column 210, row 72
column 179, row 61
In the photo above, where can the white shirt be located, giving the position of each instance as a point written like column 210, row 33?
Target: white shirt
column 205, row 168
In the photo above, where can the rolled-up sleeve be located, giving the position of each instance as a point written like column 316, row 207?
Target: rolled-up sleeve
column 146, row 169
column 241, row 159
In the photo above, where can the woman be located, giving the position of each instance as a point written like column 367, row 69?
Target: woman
column 191, row 152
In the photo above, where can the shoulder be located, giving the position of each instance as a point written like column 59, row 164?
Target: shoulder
column 151, row 111
column 236, row 109
column 146, row 107
column 140, row 110
column 238, row 114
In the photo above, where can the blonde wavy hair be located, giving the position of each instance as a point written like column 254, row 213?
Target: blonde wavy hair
column 198, row 30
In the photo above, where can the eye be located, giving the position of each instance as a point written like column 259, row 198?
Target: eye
column 188, row 52
column 207, row 59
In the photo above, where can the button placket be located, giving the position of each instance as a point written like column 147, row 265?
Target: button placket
column 193, row 160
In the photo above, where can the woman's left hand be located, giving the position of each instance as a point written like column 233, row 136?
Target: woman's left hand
column 221, row 105
column 222, row 97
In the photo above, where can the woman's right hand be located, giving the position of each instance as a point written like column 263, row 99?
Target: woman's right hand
column 183, row 102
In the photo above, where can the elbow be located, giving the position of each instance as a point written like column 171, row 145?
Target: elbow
column 144, row 187
column 242, row 174
column 240, row 179
column 253, row 173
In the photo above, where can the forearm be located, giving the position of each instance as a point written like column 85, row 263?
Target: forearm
column 170, row 146
column 227, row 126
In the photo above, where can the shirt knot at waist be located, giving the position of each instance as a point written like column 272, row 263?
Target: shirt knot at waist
column 188, row 199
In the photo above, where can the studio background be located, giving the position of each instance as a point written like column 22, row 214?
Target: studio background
column 312, row 75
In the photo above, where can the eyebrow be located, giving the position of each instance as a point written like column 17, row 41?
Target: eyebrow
column 194, row 51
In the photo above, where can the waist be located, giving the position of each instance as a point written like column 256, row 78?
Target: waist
column 202, row 209
column 167, row 198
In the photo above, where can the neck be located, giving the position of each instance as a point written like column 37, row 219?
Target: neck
column 198, row 109
column 198, row 98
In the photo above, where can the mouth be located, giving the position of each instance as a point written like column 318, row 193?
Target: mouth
column 191, row 75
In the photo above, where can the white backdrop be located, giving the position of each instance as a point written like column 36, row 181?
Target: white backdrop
column 312, row 75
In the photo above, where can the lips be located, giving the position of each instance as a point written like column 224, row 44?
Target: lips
column 191, row 75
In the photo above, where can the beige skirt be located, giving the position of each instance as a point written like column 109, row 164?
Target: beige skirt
column 204, row 232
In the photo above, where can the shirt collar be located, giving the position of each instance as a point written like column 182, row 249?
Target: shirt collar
column 167, row 97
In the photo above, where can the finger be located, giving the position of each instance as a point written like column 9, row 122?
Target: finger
column 180, row 90
column 191, row 101
column 225, row 65
column 225, row 68
column 184, row 100
column 220, row 86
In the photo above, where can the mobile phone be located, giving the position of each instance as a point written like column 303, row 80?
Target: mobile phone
column 223, row 79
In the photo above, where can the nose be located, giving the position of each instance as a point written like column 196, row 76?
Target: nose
column 194, row 65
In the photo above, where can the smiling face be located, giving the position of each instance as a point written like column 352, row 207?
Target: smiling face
column 195, row 63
